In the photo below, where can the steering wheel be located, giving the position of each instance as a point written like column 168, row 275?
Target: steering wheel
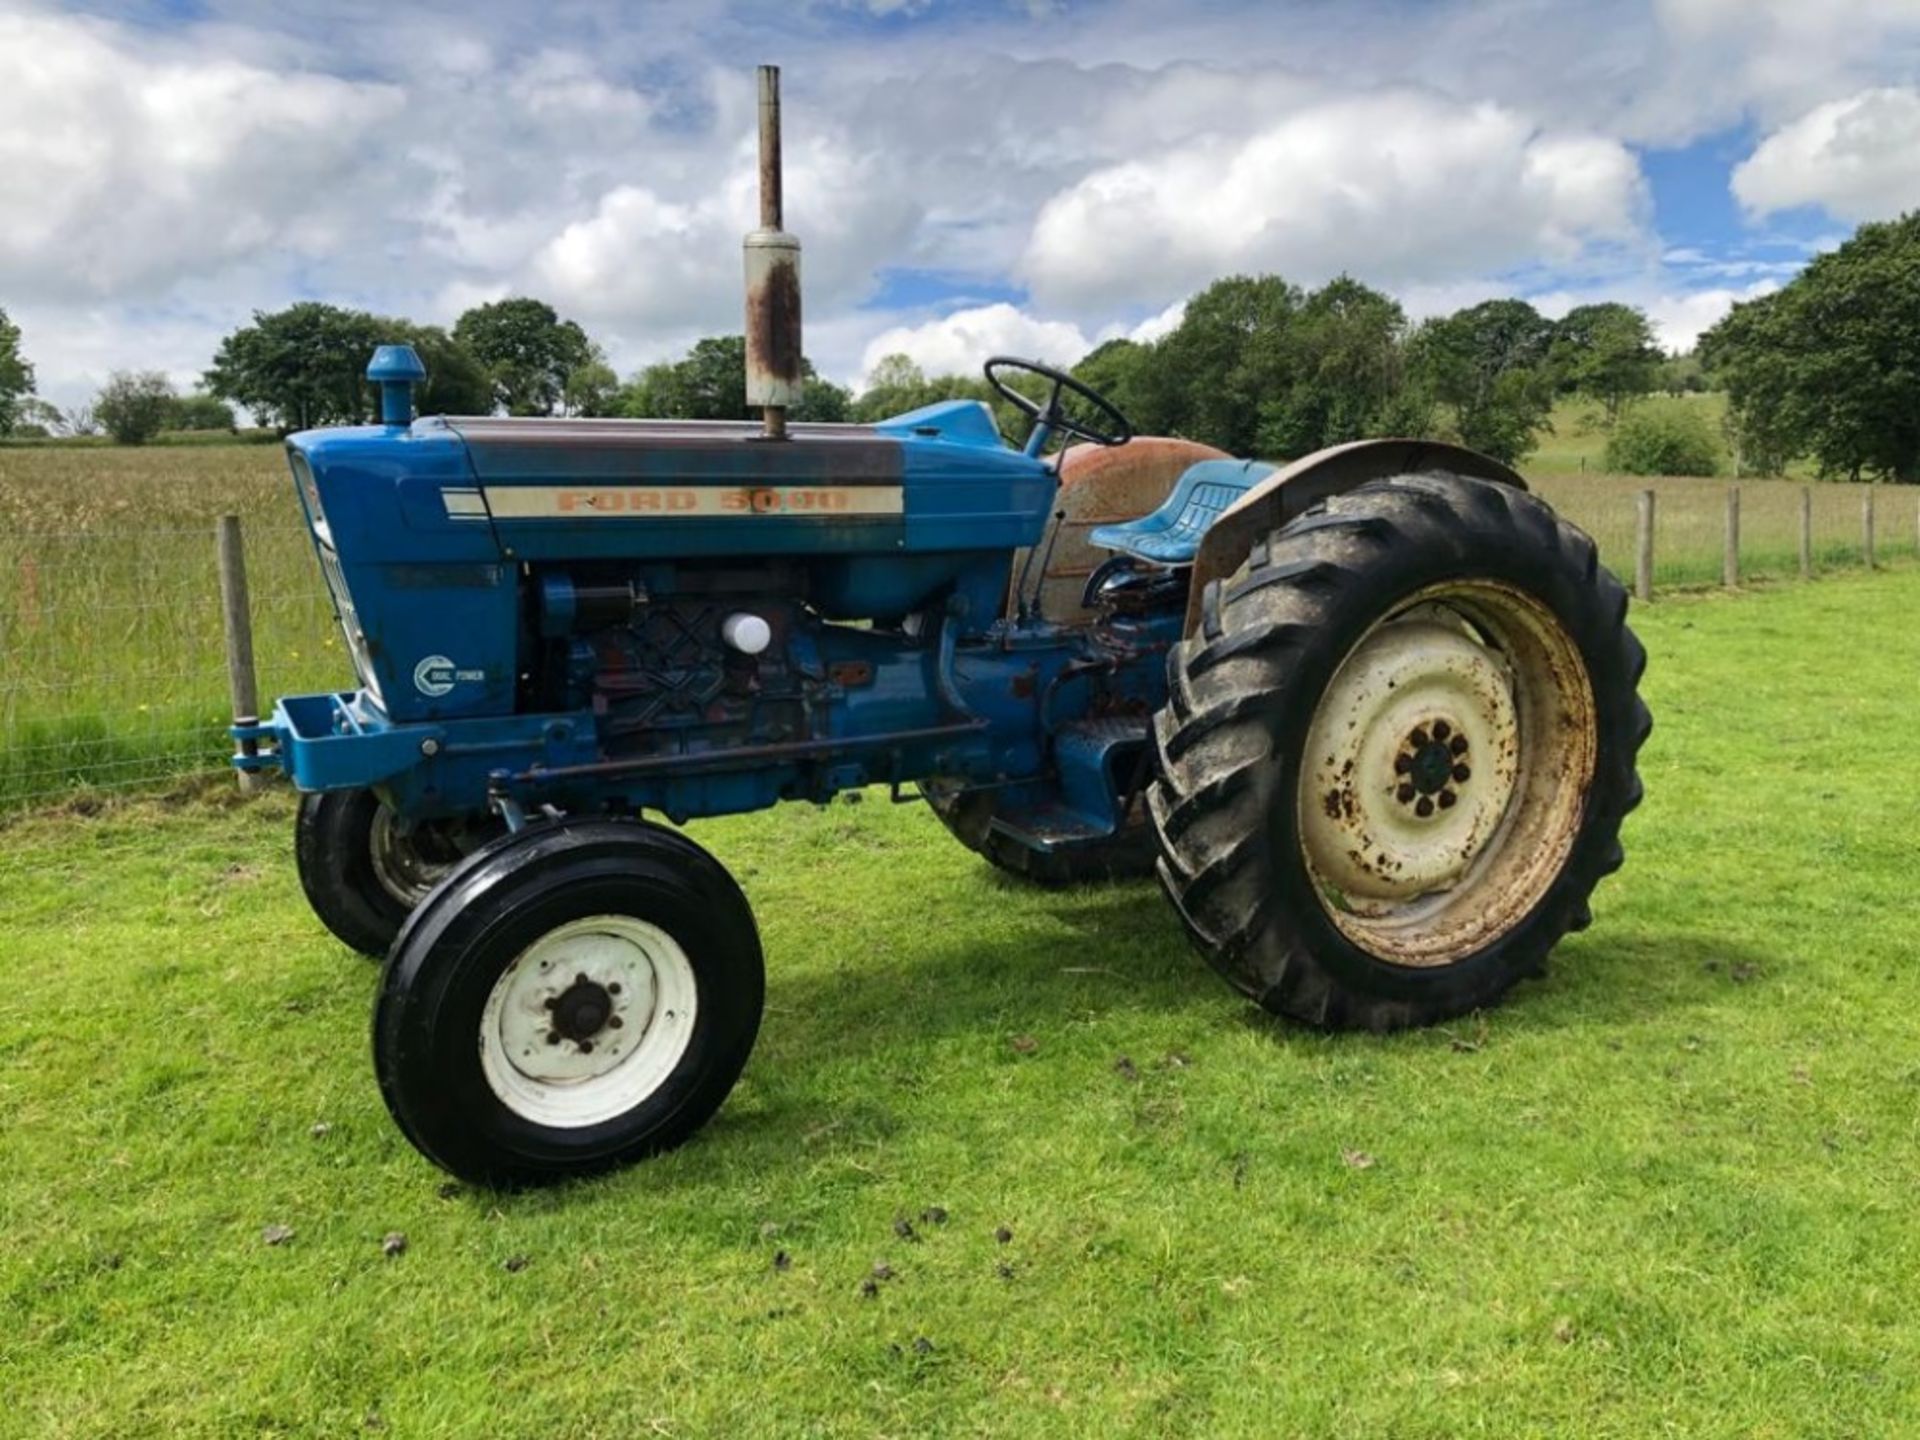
column 1051, row 416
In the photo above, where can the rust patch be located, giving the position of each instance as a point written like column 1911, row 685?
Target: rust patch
column 773, row 323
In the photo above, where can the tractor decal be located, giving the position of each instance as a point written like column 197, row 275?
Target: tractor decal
column 552, row 502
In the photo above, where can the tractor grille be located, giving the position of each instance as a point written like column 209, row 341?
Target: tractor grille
column 349, row 621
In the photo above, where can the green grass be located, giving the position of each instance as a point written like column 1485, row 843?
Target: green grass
column 1669, row 1190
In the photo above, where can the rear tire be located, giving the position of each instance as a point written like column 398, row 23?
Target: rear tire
column 571, row 999
column 1395, row 761
column 363, row 874
column 968, row 815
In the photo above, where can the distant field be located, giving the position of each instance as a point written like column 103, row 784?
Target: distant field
column 112, row 664
column 111, row 660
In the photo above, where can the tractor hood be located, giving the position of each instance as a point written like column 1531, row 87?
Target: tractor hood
column 938, row 479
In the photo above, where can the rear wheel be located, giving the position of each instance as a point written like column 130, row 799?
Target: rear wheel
column 364, row 871
column 1395, row 762
column 573, row 998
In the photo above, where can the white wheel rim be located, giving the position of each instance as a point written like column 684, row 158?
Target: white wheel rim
column 588, row 1021
column 1446, row 773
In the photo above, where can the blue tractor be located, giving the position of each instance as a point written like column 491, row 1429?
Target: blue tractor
column 1371, row 719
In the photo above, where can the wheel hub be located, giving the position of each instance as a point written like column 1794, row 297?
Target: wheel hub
column 1413, row 755
column 582, row 1011
column 588, row 1020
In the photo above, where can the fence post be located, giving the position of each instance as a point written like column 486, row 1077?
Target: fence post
column 1806, row 532
column 1730, row 565
column 239, row 625
column 1643, row 562
column 1866, row 526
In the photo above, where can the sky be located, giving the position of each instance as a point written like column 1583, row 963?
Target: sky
column 966, row 176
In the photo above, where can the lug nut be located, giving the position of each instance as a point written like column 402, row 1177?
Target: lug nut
column 1424, row 808
column 1462, row 774
column 1405, row 794
column 1441, row 729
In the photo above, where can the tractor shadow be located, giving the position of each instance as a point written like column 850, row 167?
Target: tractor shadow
column 1087, row 956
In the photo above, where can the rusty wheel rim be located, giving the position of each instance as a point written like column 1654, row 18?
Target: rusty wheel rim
column 409, row 864
column 1446, row 773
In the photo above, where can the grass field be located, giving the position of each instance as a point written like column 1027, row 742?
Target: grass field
column 111, row 660
column 1667, row 1191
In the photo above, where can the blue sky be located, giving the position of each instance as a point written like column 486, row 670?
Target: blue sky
column 1032, row 175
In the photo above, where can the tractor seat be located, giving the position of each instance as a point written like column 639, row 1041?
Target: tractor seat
column 1171, row 534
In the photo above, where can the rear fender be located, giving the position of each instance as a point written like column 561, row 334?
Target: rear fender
column 1311, row 479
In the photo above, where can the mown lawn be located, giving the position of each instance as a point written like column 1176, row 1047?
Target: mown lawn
column 1670, row 1190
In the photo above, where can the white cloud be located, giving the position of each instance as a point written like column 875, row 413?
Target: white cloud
column 1680, row 320
column 1679, row 317
column 1396, row 186
column 958, row 344
column 124, row 169
column 1855, row 158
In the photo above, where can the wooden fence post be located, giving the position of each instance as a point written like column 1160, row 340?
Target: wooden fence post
column 1643, row 564
column 1866, row 526
column 1730, row 565
column 239, row 625
column 1806, row 532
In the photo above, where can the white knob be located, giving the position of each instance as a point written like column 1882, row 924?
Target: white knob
column 747, row 633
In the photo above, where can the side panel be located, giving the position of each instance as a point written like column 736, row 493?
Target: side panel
column 428, row 603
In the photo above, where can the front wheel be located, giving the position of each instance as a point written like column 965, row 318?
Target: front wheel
column 364, row 871
column 1395, row 761
column 573, row 998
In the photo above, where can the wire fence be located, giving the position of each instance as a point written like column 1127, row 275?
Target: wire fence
column 112, row 665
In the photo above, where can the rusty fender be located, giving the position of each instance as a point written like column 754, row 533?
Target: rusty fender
column 1334, row 471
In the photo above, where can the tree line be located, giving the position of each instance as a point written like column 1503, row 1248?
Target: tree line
column 1824, row 370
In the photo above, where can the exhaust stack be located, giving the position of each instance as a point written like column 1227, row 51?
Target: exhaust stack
column 773, row 282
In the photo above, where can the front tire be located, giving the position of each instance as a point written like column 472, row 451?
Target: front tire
column 364, row 872
column 1395, row 761
column 571, row 999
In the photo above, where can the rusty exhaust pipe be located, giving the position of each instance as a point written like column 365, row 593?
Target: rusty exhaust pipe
column 773, row 283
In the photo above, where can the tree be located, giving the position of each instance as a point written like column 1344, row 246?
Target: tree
column 1829, row 366
column 456, row 384
column 133, row 406
column 16, row 375
column 1487, row 366
column 1606, row 351
column 1681, row 373
column 35, row 419
column 198, row 412
column 301, row 367
column 821, row 400
column 1669, row 439
column 1216, row 375
column 1346, row 358
column 591, row 388
column 710, row 383
column 306, row 366
column 527, row 348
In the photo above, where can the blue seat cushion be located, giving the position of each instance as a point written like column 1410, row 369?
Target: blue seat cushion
column 1171, row 534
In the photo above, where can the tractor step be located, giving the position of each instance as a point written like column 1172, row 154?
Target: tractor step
column 1096, row 760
